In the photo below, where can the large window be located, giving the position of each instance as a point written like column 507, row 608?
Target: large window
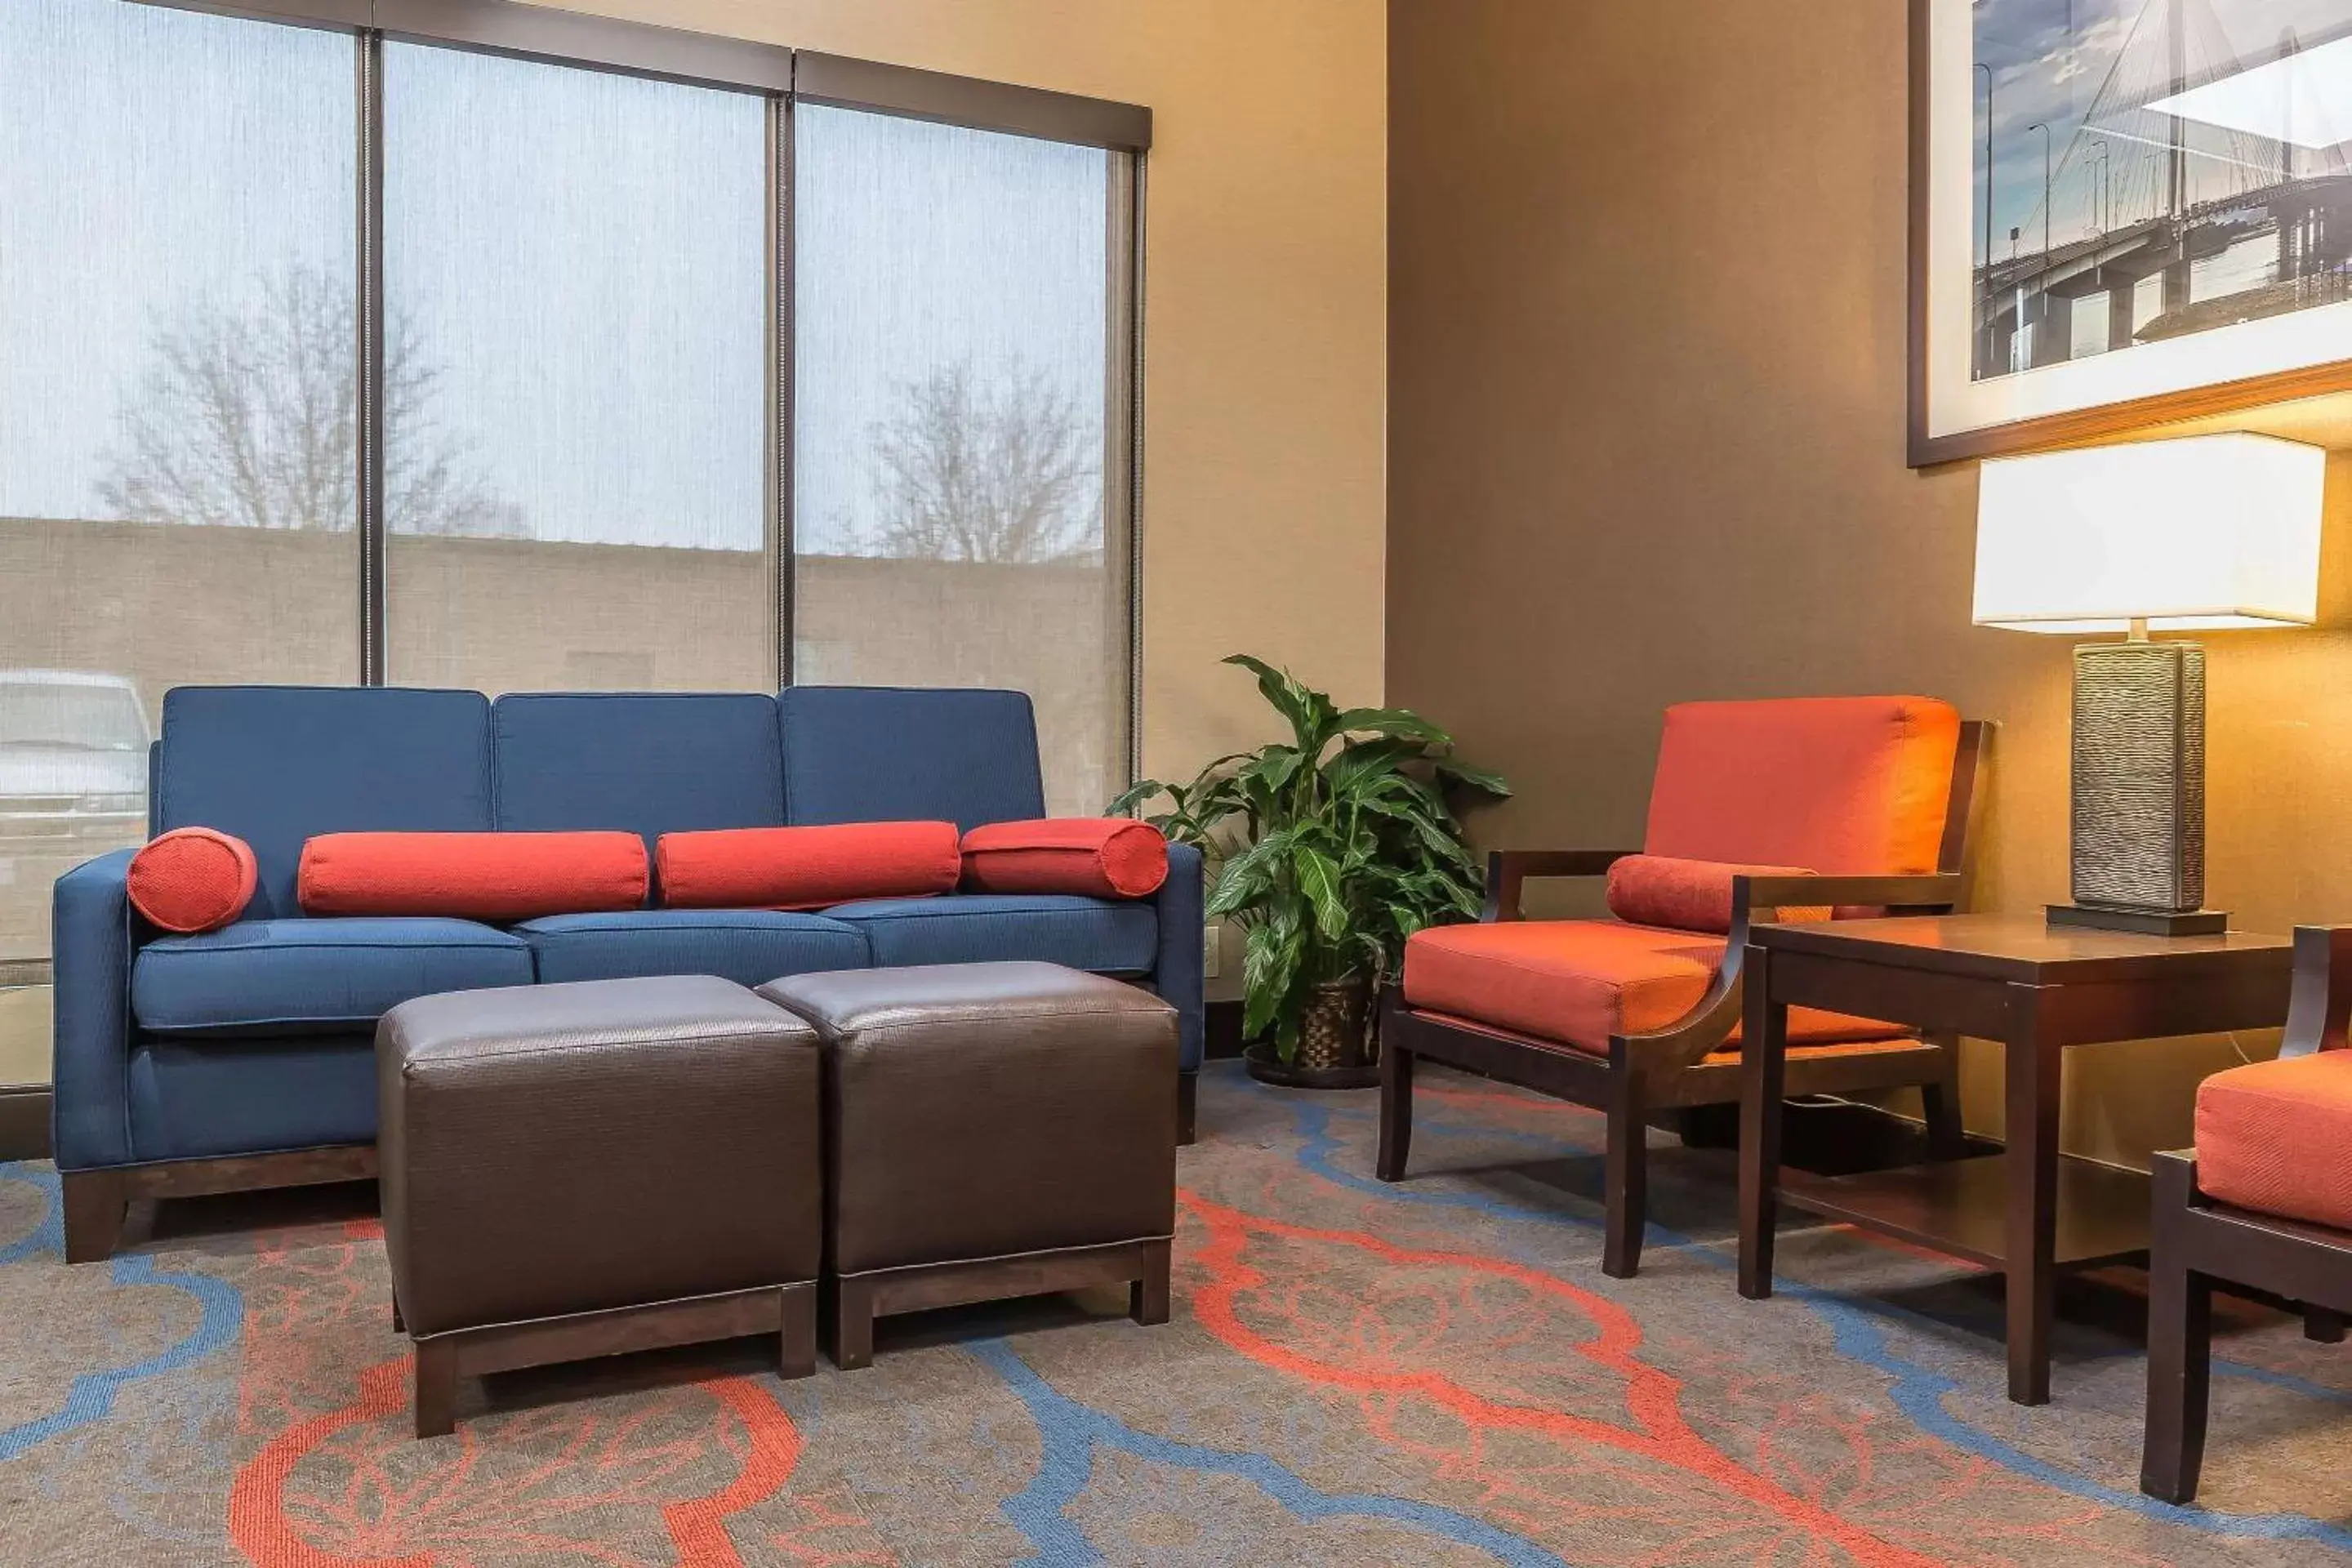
column 958, row 495
column 463, row 343
column 574, row 379
column 177, row 478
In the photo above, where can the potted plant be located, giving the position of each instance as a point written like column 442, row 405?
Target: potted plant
column 1329, row 851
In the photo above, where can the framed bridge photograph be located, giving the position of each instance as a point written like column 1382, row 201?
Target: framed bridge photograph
column 2123, row 212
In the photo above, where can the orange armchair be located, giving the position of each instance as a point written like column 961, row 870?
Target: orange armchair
column 2263, row 1200
column 1758, row 811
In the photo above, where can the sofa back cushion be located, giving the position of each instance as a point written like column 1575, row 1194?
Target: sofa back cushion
column 1845, row 785
column 648, row 763
column 873, row 753
column 277, row 765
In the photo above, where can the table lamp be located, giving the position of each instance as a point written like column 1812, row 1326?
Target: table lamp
column 2200, row 534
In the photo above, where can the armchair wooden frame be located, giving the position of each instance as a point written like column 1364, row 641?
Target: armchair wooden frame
column 1644, row 1076
column 2198, row 1245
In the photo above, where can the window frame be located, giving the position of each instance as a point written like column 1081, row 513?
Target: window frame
column 784, row 76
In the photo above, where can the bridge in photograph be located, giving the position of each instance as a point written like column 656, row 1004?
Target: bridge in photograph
column 2164, row 224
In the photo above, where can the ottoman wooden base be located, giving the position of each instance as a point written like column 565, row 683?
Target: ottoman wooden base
column 853, row 1302
column 788, row 1312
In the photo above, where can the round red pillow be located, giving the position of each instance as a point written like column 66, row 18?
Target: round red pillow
column 192, row 880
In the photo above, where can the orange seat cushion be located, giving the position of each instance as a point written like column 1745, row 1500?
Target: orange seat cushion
column 2276, row 1137
column 1579, row 982
column 1852, row 786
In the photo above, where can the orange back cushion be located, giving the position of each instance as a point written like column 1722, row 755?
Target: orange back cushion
column 192, row 880
column 1101, row 856
column 807, row 867
column 1851, row 786
column 471, row 876
column 1688, row 895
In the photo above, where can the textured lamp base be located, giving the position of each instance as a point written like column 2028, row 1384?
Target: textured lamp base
column 2138, row 820
column 2146, row 922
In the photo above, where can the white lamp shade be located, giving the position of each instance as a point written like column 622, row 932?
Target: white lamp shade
column 2211, row 531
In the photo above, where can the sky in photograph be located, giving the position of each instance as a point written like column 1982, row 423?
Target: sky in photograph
column 2051, row 59
column 580, row 255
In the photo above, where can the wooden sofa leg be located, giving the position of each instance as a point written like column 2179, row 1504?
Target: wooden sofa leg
column 2323, row 1325
column 95, row 1204
column 1396, row 1111
column 1625, row 1198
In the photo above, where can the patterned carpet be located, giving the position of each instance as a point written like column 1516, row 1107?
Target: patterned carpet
column 1432, row 1374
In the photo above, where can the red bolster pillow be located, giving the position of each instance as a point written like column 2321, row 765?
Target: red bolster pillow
column 1106, row 857
column 471, row 876
column 1687, row 895
column 192, row 880
column 806, row 867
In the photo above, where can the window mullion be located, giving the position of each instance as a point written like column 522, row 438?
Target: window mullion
column 781, row 543
column 368, row 317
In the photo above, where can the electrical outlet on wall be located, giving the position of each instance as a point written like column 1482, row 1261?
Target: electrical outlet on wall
column 1212, row 942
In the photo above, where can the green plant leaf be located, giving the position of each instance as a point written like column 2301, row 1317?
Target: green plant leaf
column 1399, row 723
column 1486, row 781
column 1284, row 693
column 1136, row 794
column 1318, row 879
column 1248, row 877
column 1270, row 960
column 1362, row 765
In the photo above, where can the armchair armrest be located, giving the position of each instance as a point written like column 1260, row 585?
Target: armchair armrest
column 91, row 936
column 2322, row 999
column 1508, row 869
column 1758, row 900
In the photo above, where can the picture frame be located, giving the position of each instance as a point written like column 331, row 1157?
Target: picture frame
column 2141, row 252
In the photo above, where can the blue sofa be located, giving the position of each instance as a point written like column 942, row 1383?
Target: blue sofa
column 244, row 1058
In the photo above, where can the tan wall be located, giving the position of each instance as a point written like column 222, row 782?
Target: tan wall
column 1263, row 506
column 1647, row 431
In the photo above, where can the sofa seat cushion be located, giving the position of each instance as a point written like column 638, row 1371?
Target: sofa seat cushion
column 308, row 976
column 2276, row 1137
column 1579, row 982
column 747, row 946
column 1068, row 929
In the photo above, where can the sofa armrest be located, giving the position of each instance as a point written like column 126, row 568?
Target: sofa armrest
column 1508, row 869
column 2322, row 1000
column 91, row 946
column 1178, row 973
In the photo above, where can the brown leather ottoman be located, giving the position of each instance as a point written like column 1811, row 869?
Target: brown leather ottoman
column 992, row 1130
column 581, row 1170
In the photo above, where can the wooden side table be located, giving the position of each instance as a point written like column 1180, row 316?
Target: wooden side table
column 2029, row 1211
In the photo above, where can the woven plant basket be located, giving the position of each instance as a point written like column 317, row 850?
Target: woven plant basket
column 1335, row 1044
